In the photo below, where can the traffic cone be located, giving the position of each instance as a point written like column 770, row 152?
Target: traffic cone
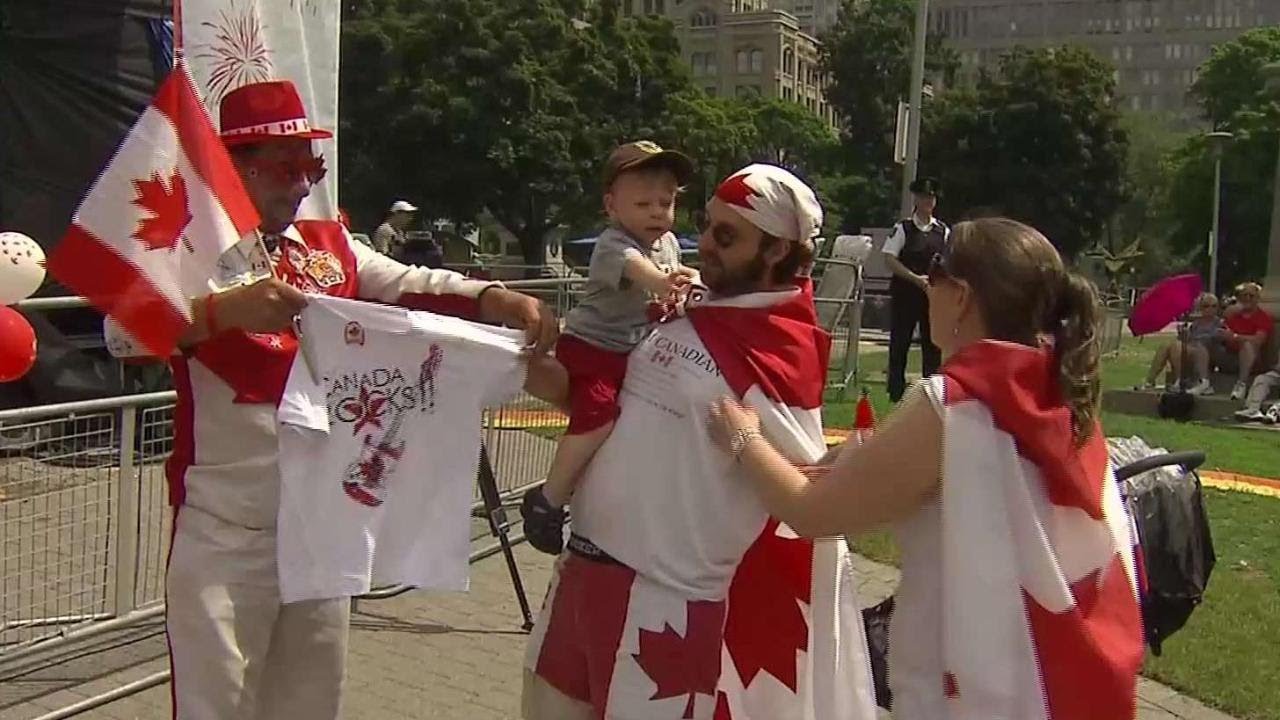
column 864, row 419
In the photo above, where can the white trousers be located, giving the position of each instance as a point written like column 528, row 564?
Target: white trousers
column 1261, row 388
column 236, row 652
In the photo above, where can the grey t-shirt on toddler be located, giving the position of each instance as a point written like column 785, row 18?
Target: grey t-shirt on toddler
column 612, row 313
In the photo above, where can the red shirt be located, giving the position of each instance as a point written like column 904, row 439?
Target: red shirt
column 1251, row 323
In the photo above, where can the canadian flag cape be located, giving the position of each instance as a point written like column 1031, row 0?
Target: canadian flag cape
column 1039, row 603
column 793, row 644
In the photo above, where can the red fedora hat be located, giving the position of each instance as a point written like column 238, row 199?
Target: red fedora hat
column 265, row 111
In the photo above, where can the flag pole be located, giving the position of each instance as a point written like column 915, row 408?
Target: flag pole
column 177, row 31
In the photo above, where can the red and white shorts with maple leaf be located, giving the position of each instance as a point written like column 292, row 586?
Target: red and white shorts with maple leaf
column 623, row 646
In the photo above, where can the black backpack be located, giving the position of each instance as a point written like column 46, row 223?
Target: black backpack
column 1176, row 405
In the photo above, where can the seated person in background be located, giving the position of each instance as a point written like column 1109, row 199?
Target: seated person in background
column 1258, row 392
column 1193, row 343
column 1246, row 334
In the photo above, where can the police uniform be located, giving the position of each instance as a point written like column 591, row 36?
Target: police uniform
column 914, row 246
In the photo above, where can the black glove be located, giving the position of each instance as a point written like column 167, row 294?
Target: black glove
column 543, row 522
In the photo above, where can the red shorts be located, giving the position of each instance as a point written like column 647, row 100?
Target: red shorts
column 606, row 636
column 595, row 378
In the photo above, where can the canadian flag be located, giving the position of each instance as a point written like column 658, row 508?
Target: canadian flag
column 1040, row 619
column 151, row 229
column 794, row 647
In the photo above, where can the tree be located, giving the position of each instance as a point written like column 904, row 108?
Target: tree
column 723, row 134
column 1231, row 80
column 1136, row 246
column 788, row 134
column 1153, row 138
column 1039, row 140
column 715, row 132
column 868, row 57
column 508, row 106
column 1232, row 95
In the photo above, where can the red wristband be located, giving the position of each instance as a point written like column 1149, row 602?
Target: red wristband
column 210, row 318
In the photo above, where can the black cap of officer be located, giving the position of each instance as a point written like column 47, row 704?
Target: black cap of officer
column 926, row 186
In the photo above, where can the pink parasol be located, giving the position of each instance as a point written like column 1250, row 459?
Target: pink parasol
column 1163, row 303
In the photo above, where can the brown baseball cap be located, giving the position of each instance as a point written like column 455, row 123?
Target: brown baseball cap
column 646, row 153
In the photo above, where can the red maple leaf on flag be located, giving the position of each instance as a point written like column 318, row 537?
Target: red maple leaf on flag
column 170, row 213
column 736, row 191
column 686, row 665
column 722, row 707
column 766, row 623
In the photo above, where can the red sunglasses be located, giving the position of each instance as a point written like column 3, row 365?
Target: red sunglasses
column 311, row 169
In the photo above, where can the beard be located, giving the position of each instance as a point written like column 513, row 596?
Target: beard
column 741, row 279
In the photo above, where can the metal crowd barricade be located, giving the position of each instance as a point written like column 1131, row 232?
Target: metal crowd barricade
column 846, row 330
column 83, row 519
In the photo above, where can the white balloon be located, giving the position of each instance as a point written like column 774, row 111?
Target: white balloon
column 21, row 267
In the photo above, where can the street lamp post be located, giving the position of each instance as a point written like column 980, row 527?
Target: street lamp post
column 1271, row 288
column 1218, row 140
column 917, row 104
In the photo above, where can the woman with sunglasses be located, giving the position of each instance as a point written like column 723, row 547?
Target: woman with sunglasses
column 1018, row 584
column 1196, row 343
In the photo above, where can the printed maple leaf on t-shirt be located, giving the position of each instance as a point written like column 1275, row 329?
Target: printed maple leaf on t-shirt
column 766, row 625
column 686, row 665
column 168, row 207
column 367, row 409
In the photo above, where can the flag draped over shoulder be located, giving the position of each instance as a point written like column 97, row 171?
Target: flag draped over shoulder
column 1039, row 604
column 794, row 646
column 148, row 235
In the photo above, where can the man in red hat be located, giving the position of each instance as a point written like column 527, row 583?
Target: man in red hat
column 236, row 651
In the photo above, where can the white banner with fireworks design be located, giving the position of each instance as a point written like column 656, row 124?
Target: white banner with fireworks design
column 230, row 43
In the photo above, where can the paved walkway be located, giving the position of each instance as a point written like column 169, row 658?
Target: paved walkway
column 435, row 655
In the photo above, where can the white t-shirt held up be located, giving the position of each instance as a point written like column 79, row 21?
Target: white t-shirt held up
column 379, row 449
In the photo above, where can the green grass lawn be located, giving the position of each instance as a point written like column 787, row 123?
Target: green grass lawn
column 1228, row 655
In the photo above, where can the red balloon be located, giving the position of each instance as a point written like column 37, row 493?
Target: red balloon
column 17, row 345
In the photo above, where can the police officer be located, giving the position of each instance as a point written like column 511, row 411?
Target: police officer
column 908, row 253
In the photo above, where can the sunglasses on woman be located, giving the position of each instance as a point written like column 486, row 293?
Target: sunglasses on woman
column 311, row 169
column 938, row 268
